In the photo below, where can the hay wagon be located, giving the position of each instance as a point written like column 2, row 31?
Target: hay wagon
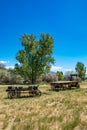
column 14, row 91
column 66, row 84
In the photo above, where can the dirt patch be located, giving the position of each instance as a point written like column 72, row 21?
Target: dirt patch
column 1, row 125
column 83, row 86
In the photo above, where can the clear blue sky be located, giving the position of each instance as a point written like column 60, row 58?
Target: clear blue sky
column 65, row 20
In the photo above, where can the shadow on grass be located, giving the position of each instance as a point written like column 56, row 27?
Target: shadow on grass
column 64, row 89
column 46, row 93
column 21, row 97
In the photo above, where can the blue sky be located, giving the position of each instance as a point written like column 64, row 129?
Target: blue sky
column 65, row 20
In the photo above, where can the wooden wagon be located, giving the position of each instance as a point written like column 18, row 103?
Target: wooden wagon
column 14, row 91
column 64, row 85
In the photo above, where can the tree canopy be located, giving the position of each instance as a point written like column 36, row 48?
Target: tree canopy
column 81, row 70
column 60, row 75
column 36, row 56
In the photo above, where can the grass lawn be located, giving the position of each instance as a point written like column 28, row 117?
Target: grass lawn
column 62, row 110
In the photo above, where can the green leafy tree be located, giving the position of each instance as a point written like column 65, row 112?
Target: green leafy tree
column 60, row 75
column 36, row 56
column 81, row 70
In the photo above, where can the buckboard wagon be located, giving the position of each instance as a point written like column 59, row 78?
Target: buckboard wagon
column 14, row 91
column 64, row 84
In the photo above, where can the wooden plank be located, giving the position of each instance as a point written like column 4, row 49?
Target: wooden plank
column 65, row 82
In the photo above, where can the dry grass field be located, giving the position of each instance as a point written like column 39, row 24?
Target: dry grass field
column 62, row 110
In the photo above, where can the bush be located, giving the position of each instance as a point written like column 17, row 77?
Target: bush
column 49, row 77
column 6, row 77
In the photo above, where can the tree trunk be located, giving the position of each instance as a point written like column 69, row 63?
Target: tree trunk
column 32, row 80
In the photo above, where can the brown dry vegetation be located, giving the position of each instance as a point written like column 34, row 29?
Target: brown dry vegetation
column 62, row 110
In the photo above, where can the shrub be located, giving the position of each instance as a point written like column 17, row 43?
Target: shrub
column 49, row 77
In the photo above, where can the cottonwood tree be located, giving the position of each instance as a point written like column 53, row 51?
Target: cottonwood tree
column 60, row 75
column 36, row 56
column 81, row 70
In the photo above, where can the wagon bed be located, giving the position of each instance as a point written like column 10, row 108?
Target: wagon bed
column 15, row 91
column 64, row 84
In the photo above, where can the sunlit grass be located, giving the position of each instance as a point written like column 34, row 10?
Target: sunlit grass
column 62, row 110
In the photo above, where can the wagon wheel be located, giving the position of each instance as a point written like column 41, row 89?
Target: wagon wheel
column 78, row 85
column 11, row 94
column 69, row 86
column 38, row 92
column 17, row 93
